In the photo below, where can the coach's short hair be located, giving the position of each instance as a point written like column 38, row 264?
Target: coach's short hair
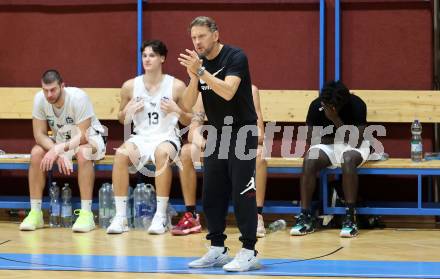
column 204, row 21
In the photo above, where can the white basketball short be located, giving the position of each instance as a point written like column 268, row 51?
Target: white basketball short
column 147, row 148
column 97, row 142
column 335, row 152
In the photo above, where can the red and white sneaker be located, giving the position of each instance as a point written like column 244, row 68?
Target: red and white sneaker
column 187, row 225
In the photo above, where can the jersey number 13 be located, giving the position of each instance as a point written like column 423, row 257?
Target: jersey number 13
column 153, row 118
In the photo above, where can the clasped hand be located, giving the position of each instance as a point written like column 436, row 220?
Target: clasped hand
column 191, row 61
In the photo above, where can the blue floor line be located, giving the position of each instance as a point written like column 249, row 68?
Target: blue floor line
column 178, row 265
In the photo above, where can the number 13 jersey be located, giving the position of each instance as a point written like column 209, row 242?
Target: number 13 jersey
column 151, row 122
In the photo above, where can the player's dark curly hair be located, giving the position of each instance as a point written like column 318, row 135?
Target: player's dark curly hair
column 335, row 93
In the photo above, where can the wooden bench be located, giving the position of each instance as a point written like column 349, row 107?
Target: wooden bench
column 383, row 107
column 18, row 104
column 275, row 165
column 284, row 106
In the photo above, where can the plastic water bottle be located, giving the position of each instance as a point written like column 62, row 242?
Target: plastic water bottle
column 151, row 205
column 416, row 142
column 55, row 207
column 101, row 204
column 278, row 225
column 130, row 207
column 140, row 201
column 105, row 205
column 171, row 212
column 66, row 206
column 112, row 209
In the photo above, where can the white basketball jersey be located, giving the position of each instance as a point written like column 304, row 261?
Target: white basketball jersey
column 77, row 108
column 152, row 122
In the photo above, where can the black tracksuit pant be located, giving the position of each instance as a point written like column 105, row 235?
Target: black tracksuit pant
column 231, row 175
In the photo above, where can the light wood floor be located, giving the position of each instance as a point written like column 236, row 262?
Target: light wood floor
column 388, row 244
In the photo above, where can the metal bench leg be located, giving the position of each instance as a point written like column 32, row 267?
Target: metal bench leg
column 419, row 191
column 324, row 179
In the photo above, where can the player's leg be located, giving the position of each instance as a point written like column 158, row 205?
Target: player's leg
column 315, row 160
column 260, row 180
column 87, row 153
column 190, row 221
column 351, row 160
column 164, row 154
column 37, row 181
column 126, row 155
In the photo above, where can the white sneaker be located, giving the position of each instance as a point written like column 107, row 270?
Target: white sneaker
column 244, row 260
column 215, row 257
column 85, row 221
column 160, row 224
column 261, row 231
column 118, row 225
column 33, row 221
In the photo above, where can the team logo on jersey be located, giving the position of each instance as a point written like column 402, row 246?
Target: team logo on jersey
column 69, row 120
column 153, row 104
column 59, row 126
column 50, row 121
